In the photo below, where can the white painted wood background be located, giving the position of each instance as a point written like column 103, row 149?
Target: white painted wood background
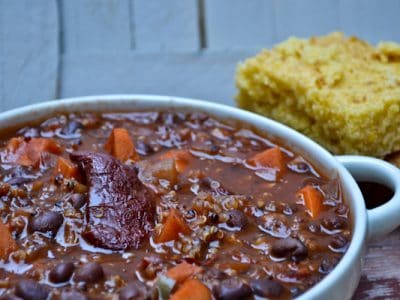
column 51, row 49
column 62, row 48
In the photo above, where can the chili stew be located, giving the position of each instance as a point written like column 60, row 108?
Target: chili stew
column 162, row 205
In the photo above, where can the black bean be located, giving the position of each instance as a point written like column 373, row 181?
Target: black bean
column 71, row 127
column 289, row 248
column 130, row 292
column 72, row 295
column 327, row 264
column 89, row 273
column 212, row 218
column 62, row 272
column 334, row 222
column 236, row 219
column 339, row 243
column 143, row 148
column 46, row 222
column 190, row 214
column 78, row 200
column 232, row 289
column 31, row 290
column 266, row 288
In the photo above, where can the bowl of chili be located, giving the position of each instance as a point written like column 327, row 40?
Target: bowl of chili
column 162, row 197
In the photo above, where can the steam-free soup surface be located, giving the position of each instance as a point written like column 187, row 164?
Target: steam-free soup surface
column 162, row 205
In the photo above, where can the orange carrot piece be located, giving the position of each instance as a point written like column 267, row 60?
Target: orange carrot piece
column 29, row 153
column 192, row 289
column 312, row 200
column 66, row 168
column 7, row 243
column 181, row 157
column 14, row 143
column 183, row 271
column 237, row 266
column 173, row 225
column 121, row 146
column 271, row 158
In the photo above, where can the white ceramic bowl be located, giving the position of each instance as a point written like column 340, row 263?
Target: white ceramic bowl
column 367, row 224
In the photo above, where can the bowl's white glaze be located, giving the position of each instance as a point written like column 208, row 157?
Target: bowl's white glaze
column 343, row 280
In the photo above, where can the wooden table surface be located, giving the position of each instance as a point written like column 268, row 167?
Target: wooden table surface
column 55, row 49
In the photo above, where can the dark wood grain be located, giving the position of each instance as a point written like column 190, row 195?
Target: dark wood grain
column 381, row 273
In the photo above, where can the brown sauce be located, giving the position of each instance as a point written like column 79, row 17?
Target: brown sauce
column 193, row 192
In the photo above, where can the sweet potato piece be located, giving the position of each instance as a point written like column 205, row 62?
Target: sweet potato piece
column 181, row 158
column 28, row 153
column 192, row 289
column 183, row 271
column 66, row 168
column 312, row 200
column 173, row 225
column 7, row 243
column 271, row 158
column 121, row 146
column 164, row 169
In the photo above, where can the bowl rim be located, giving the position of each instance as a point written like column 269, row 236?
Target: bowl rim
column 118, row 102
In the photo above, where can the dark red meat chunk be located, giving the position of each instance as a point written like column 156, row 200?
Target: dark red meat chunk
column 120, row 211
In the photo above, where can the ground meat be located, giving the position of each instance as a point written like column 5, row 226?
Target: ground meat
column 120, row 210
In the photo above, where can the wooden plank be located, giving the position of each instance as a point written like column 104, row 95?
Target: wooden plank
column 372, row 20
column 95, row 26
column 381, row 276
column 239, row 24
column 170, row 26
column 28, row 52
column 305, row 18
column 206, row 75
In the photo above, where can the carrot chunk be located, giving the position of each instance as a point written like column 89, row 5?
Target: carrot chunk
column 66, row 168
column 181, row 158
column 7, row 243
column 192, row 289
column 121, row 146
column 270, row 158
column 29, row 153
column 173, row 225
column 312, row 200
column 183, row 271
column 14, row 143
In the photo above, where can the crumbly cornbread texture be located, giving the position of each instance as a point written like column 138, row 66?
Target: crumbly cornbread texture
column 341, row 91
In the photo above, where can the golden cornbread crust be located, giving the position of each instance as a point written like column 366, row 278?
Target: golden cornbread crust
column 341, row 91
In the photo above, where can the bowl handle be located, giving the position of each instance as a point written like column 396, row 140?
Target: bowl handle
column 386, row 217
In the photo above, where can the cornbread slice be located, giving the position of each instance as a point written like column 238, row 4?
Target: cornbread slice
column 341, row 91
